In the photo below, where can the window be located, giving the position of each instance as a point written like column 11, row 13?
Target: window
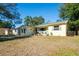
column 24, row 30
column 56, row 27
column 42, row 29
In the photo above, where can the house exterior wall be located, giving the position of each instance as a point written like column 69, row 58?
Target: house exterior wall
column 61, row 32
column 14, row 32
column 2, row 31
column 7, row 31
column 27, row 31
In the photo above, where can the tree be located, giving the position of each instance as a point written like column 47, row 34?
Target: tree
column 1, row 24
column 59, row 20
column 8, row 24
column 37, row 20
column 70, row 12
column 29, row 21
column 9, row 11
column 5, row 24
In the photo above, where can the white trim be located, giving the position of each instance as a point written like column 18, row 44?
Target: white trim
column 6, row 32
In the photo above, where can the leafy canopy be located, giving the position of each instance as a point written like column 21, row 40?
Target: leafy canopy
column 29, row 21
column 5, row 24
column 8, row 11
column 70, row 12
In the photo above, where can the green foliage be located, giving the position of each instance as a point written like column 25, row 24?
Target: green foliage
column 38, row 20
column 5, row 24
column 29, row 21
column 70, row 12
column 65, row 52
column 58, row 20
column 9, row 12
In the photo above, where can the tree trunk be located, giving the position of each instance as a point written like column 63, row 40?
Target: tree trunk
column 76, row 32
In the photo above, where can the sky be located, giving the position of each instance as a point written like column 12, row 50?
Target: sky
column 49, row 11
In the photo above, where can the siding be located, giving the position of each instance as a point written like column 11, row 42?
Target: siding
column 60, row 32
column 6, row 31
column 28, row 31
column 2, row 31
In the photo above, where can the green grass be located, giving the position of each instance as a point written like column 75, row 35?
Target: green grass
column 65, row 52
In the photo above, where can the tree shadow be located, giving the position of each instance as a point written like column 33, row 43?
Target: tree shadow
column 6, row 38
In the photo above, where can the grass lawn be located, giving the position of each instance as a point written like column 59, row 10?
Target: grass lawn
column 41, row 45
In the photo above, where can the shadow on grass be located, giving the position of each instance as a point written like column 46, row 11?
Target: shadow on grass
column 9, row 38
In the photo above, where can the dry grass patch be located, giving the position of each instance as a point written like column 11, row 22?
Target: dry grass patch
column 41, row 45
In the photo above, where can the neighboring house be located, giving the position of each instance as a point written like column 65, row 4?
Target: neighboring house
column 7, row 31
column 53, row 29
column 25, row 30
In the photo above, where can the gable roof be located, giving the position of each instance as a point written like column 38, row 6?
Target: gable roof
column 52, row 24
column 24, row 26
column 45, row 25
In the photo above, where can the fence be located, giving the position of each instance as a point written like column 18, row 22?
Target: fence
column 70, row 33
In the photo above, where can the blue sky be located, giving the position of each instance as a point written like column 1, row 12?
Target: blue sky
column 50, row 11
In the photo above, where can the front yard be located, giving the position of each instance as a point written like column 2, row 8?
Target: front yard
column 41, row 45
